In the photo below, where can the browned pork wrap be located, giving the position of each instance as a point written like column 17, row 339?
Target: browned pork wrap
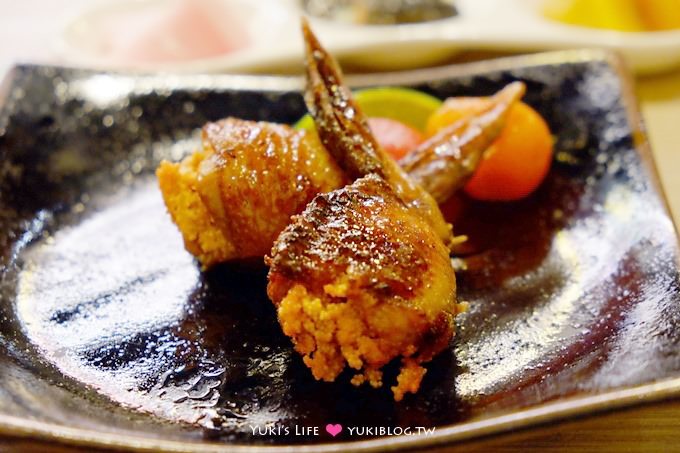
column 359, row 280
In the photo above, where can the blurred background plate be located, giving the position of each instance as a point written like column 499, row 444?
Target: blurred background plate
column 110, row 335
column 242, row 36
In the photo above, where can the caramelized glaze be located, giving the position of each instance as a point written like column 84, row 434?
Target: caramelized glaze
column 359, row 279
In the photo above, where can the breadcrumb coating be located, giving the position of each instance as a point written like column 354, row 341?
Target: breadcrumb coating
column 362, row 333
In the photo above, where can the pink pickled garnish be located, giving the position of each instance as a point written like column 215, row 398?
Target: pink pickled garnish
column 181, row 30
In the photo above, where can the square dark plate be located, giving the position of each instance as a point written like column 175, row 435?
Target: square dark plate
column 110, row 335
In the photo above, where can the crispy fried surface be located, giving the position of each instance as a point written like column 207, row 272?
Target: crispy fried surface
column 359, row 280
column 231, row 199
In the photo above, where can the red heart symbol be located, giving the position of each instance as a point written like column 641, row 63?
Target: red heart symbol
column 334, row 430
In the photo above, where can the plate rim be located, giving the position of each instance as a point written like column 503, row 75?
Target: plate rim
column 554, row 411
column 559, row 410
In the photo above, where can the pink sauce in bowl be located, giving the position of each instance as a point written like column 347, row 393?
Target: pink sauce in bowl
column 186, row 30
column 147, row 33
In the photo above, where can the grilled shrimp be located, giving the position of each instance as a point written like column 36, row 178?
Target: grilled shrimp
column 362, row 277
column 359, row 279
column 232, row 197
column 344, row 132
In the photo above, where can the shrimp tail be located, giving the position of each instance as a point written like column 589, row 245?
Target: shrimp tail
column 343, row 130
column 444, row 163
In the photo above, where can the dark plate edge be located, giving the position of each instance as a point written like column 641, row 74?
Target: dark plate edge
column 168, row 80
column 542, row 414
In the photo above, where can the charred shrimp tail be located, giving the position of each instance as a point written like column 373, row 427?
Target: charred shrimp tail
column 442, row 164
column 343, row 130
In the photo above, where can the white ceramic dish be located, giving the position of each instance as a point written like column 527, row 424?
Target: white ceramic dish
column 275, row 46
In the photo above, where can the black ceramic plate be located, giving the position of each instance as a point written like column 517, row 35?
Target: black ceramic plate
column 110, row 335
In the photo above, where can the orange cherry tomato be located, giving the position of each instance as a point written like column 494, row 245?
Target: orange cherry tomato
column 394, row 136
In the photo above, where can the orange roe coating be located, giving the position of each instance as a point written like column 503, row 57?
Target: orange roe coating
column 359, row 280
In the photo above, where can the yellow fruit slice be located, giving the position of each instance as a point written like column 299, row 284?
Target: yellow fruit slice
column 405, row 105
column 621, row 15
column 660, row 14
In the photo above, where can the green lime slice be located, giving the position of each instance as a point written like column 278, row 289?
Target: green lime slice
column 406, row 105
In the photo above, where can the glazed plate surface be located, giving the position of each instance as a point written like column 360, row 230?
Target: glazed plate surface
column 111, row 335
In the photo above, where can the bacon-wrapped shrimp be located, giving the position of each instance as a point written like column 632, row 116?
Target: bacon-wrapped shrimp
column 232, row 197
column 362, row 277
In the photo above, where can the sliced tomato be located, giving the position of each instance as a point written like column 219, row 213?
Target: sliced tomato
column 394, row 136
